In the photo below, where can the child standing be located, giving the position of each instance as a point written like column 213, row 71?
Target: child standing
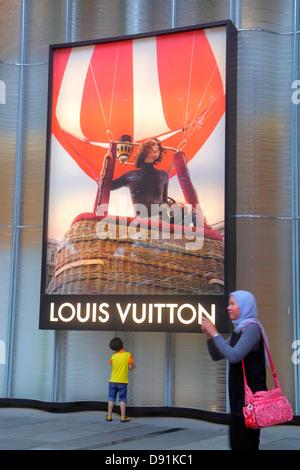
column 121, row 361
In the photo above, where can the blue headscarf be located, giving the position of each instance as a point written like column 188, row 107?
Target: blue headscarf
column 248, row 313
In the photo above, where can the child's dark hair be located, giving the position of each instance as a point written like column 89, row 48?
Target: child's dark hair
column 116, row 344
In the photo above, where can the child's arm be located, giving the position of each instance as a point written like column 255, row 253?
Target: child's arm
column 132, row 365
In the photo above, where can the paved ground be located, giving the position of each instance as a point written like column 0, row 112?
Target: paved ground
column 31, row 429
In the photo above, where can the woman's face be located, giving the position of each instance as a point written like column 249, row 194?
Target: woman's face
column 153, row 153
column 233, row 308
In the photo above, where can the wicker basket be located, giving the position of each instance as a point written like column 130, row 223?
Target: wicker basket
column 99, row 258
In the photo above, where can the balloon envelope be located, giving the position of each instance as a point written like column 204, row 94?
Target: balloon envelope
column 168, row 86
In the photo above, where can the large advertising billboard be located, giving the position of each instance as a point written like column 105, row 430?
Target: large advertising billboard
column 138, row 230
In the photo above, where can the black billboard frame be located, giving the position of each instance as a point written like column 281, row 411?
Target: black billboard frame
column 220, row 300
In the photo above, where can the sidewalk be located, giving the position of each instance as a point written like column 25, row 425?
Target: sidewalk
column 31, row 429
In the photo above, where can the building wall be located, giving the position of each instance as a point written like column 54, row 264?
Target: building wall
column 173, row 369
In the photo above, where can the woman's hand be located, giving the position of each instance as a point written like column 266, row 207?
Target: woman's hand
column 208, row 328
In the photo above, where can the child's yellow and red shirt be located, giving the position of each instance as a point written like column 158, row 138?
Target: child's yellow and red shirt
column 119, row 361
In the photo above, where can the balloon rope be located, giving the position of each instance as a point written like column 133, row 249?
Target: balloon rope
column 189, row 86
column 200, row 103
column 99, row 99
column 107, row 124
column 190, row 128
column 198, row 121
column 113, row 88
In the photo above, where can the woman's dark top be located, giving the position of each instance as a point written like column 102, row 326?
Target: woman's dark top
column 247, row 345
column 147, row 185
column 255, row 375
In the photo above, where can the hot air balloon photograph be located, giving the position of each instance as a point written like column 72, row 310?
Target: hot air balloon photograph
column 135, row 199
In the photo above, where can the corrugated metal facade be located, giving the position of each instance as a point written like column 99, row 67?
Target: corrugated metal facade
column 173, row 369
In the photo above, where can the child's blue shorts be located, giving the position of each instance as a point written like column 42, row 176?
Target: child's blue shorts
column 117, row 388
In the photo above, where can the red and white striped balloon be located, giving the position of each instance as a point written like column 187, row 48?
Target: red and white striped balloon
column 169, row 86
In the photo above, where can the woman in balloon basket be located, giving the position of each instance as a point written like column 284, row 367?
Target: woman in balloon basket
column 148, row 185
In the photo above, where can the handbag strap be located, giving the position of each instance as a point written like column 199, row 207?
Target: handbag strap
column 269, row 356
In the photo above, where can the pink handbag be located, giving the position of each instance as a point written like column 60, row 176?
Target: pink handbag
column 266, row 408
